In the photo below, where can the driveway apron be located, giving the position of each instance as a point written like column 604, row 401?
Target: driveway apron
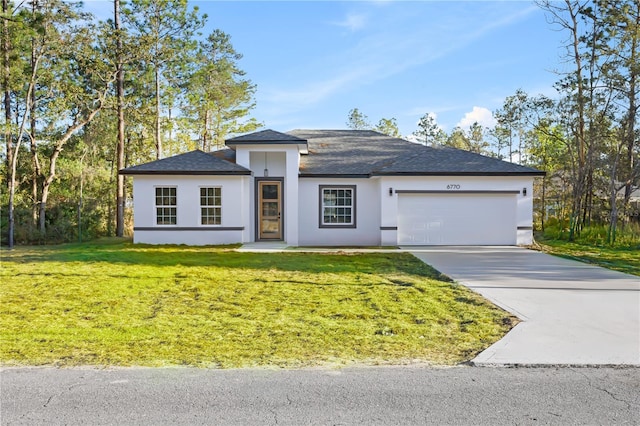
column 572, row 313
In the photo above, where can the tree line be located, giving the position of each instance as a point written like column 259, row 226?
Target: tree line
column 83, row 98
column 586, row 137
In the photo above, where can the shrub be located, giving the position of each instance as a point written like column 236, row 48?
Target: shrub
column 627, row 235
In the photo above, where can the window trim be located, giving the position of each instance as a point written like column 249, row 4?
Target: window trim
column 200, row 188
column 321, row 206
column 156, row 206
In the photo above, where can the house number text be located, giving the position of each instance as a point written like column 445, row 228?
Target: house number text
column 453, row 186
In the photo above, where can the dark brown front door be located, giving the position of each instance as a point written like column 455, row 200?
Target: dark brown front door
column 269, row 210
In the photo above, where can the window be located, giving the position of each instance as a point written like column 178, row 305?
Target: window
column 166, row 211
column 337, row 206
column 211, row 206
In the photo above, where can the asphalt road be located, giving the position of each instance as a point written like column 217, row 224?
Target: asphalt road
column 349, row 396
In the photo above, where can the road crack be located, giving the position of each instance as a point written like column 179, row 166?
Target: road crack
column 56, row 395
column 613, row 396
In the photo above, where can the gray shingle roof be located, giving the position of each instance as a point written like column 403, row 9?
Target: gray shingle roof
column 265, row 137
column 367, row 153
column 227, row 154
column 354, row 153
column 190, row 163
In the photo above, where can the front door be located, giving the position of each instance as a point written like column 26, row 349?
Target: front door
column 269, row 210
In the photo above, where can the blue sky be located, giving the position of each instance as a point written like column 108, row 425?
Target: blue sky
column 314, row 61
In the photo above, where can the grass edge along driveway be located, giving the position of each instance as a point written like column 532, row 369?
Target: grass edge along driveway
column 119, row 304
column 623, row 259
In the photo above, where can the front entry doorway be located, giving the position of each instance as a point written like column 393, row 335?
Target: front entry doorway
column 269, row 210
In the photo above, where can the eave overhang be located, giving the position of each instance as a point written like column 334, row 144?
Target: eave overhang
column 185, row 173
column 538, row 173
column 334, row 176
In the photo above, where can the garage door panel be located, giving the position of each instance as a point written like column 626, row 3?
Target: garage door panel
column 455, row 219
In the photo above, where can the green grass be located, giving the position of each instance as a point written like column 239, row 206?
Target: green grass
column 121, row 304
column 623, row 259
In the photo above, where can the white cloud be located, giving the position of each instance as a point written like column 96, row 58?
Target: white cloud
column 481, row 115
column 353, row 22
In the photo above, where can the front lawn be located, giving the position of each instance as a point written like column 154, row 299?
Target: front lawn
column 120, row 304
column 622, row 259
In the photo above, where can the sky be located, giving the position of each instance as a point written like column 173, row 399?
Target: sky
column 313, row 62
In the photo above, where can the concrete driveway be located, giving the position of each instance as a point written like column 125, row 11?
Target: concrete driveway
column 572, row 313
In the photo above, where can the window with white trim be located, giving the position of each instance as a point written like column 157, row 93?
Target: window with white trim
column 337, row 206
column 211, row 206
column 166, row 210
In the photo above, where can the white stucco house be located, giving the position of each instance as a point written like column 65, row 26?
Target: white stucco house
column 332, row 188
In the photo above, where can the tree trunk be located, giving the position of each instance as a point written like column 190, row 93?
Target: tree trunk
column 157, row 118
column 613, row 195
column 613, row 224
column 120, row 197
column 46, row 183
column 170, row 135
column 580, row 134
column 205, row 133
column 510, row 144
column 543, row 201
column 13, row 160
column 632, row 117
column 35, row 172
column 6, row 47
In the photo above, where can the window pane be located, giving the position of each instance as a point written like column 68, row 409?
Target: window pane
column 210, row 216
column 269, row 192
column 270, row 226
column 337, row 206
column 210, row 206
column 166, row 196
column 166, row 216
column 270, row 209
column 329, row 197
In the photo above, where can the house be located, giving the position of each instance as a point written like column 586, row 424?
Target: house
column 332, row 188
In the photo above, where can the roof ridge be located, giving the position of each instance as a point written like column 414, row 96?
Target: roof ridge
column 266, row 135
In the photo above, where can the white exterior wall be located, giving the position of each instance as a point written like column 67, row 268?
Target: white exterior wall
column 188, row 229
column 367, row 230
column 389, row 203
column 376, row 207
column 282, row 161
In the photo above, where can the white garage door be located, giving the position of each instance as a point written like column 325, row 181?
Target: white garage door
column 457, row 219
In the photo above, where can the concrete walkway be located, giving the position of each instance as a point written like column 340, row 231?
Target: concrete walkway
column 572, row 313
